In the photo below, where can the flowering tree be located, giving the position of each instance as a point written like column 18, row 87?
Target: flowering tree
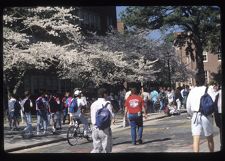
column 42, row 38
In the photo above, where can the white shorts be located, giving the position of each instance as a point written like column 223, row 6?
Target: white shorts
column 201, row 123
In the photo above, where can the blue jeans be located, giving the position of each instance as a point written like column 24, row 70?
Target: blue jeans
column 162, row 104
column 136, row 121
column 65, row 114
column 42, row 116
column 28, row 118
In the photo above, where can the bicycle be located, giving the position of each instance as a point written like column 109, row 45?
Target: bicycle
column 76, row 133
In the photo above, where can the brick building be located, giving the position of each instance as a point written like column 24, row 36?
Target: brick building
column 212, row 63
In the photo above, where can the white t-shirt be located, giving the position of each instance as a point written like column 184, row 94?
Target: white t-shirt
column 193, row 99
column 80, row 103
column 127, row 94
column 11, row 104
column 219, row 103
column 146, row 96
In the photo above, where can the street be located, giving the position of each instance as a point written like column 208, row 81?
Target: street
column 170, row 134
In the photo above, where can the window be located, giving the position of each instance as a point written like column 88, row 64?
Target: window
column 206, row 77
column 205, row 56
column 219, row 56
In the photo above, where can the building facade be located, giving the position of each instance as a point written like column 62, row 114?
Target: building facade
column 212, row 64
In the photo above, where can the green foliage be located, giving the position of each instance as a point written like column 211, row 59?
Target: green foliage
column 203, row 22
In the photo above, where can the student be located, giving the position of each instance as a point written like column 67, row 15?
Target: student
column 14, row 112
column 42, row 107
column 102, row 138
column 27, row 108
column 199, row 122
column 134, row 106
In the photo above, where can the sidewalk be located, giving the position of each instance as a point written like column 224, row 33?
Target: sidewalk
column 13, row 140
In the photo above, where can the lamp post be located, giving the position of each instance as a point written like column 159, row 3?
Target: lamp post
column 168, row 63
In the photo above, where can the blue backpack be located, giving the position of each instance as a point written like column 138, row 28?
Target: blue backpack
column 73, row 105
column 207, row 106
column 103, row 117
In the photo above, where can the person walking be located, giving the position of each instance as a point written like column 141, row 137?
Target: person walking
column 178, row 100
column 146, row 97
column 199, row 122
column 155, row 99
column 27, row 106
column 14, row 112
column 134, row 106
column 218, row 114
column 65, row 107
column 42, row 112
column 52, row 110
column 102, row 138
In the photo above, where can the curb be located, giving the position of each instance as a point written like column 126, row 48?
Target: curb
column 63, row 139
column 35, row 145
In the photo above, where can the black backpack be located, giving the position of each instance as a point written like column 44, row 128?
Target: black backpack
column 27, row 107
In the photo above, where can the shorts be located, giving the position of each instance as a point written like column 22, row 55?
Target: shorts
column 201, row 124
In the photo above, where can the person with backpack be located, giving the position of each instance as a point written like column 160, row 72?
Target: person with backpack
column 134, row 106
column 70, row 107
column 42, row 107
column 101, row 118
column 65, row 108
column 78, row 110
column 14, row 112
column 52, row 110
column 198, row 101
column 27, row 106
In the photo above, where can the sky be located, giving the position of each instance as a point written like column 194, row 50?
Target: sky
column 155, row 35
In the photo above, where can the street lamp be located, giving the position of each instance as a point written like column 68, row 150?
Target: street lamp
column 168, row 63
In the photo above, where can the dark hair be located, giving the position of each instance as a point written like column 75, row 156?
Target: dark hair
column 101, row 92
column 26, row 93
column 133, row 91
column 200, row 80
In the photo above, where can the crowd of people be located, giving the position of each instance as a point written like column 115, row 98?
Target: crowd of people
column 54, row 110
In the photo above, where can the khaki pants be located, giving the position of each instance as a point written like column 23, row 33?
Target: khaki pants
column 102, row 140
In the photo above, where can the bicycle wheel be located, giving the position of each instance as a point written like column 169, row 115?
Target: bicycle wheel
column 72, row 135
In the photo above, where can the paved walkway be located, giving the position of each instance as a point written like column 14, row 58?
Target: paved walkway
column 13, row 140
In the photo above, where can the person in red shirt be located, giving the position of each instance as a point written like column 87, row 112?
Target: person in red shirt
column 134, row 106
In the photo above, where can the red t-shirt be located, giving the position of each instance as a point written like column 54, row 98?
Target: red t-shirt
column 134, row 104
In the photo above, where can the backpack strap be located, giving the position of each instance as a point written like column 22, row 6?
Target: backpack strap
column 206, row 89
column 105, row 105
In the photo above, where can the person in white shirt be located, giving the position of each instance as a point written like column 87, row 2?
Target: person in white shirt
column 217, row 93
column 146, row 97
column 78, row 114
column 199, row 122
column 102, row 139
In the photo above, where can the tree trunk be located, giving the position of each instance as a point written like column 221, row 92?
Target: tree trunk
column 18, row 84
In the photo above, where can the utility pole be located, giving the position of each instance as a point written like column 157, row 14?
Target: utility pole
column 168, row 63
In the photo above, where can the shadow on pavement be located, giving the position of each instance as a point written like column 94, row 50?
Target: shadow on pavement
column 145, row 142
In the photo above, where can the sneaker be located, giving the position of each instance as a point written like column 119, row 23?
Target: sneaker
column 44, row 133
column 38, row 133
column 140, row 141
column 188, row 117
